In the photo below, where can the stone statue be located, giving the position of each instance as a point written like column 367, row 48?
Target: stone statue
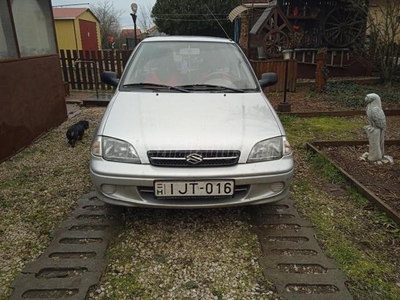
column 376, row 130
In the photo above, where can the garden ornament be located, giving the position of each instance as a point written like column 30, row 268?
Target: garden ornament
column 376, row 131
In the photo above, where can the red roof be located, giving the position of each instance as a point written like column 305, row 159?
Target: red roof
column 67, row 13
column 130, row 32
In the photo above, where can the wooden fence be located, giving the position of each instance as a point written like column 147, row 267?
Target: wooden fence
column 278, row 67
column 82, row 69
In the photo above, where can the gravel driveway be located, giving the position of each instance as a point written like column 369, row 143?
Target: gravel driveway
column 159, row 254
column 184, row 254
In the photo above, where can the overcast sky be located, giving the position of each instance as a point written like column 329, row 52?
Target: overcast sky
column 124, row 5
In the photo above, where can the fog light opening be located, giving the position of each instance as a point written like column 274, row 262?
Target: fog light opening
column 277, row 186
column 109, row 188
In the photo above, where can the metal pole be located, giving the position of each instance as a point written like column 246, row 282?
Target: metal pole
column 135, row 33
column 96, row 81
column 286, row 80
column 134, row 26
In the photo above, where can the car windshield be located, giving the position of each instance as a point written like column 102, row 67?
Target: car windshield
column 190, row 65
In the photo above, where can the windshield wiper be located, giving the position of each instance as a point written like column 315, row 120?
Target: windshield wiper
column 156, row 86
column 210, row 87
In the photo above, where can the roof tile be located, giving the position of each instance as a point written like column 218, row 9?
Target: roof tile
column 63, row 12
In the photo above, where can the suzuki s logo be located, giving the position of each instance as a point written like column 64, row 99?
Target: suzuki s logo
column 194, row 158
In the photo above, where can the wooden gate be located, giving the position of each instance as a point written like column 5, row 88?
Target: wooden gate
column 82, row 69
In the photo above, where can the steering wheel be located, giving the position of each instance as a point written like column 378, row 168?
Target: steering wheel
column 218, row 75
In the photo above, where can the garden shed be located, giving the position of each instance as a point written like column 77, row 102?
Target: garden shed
column 77, row 29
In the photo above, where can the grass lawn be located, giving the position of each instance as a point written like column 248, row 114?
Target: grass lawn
column 362, row 240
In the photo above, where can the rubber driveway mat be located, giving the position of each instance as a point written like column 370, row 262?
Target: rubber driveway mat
column 74, row 260
column 291, row 257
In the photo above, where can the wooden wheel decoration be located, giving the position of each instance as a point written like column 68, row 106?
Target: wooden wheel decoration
column 276, row 27
column 274, row 42
column 343, row 26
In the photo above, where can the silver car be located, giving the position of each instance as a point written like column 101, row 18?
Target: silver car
column 190, row 127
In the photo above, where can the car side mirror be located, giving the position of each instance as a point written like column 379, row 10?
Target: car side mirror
column 110, row 78
column 268, row 79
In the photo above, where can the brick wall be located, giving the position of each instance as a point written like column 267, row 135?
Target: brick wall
column 244, row 33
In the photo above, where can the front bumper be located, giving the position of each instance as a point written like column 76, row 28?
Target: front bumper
column 132, row 184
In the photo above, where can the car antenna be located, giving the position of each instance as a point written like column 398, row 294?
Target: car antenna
column 217, row 22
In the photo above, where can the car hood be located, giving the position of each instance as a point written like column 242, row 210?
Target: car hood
column 195, row 121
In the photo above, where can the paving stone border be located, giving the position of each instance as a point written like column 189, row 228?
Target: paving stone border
column 341, row 113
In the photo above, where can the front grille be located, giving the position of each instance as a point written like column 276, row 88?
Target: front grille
column 187, row 158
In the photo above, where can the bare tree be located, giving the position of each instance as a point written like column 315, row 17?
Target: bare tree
column 385, row 30
column 109, row 17
column 384, row 33
column 144, row 19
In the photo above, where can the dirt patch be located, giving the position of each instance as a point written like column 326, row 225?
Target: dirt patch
column 336, row 98
column 382, row 180
column 303, row 100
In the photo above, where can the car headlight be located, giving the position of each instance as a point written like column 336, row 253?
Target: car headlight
column 270, row 149
column 114, row 150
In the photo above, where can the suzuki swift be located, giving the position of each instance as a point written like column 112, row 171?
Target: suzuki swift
column 190, row 127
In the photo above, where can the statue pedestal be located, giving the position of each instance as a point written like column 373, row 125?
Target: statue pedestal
column 284, row 107
column 374, row 138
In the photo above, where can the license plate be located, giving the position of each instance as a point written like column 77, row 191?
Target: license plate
column 194, row 188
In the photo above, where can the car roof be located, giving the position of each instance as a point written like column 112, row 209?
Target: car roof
column 182, row 38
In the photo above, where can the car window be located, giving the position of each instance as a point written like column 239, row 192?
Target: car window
column 190, row 63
